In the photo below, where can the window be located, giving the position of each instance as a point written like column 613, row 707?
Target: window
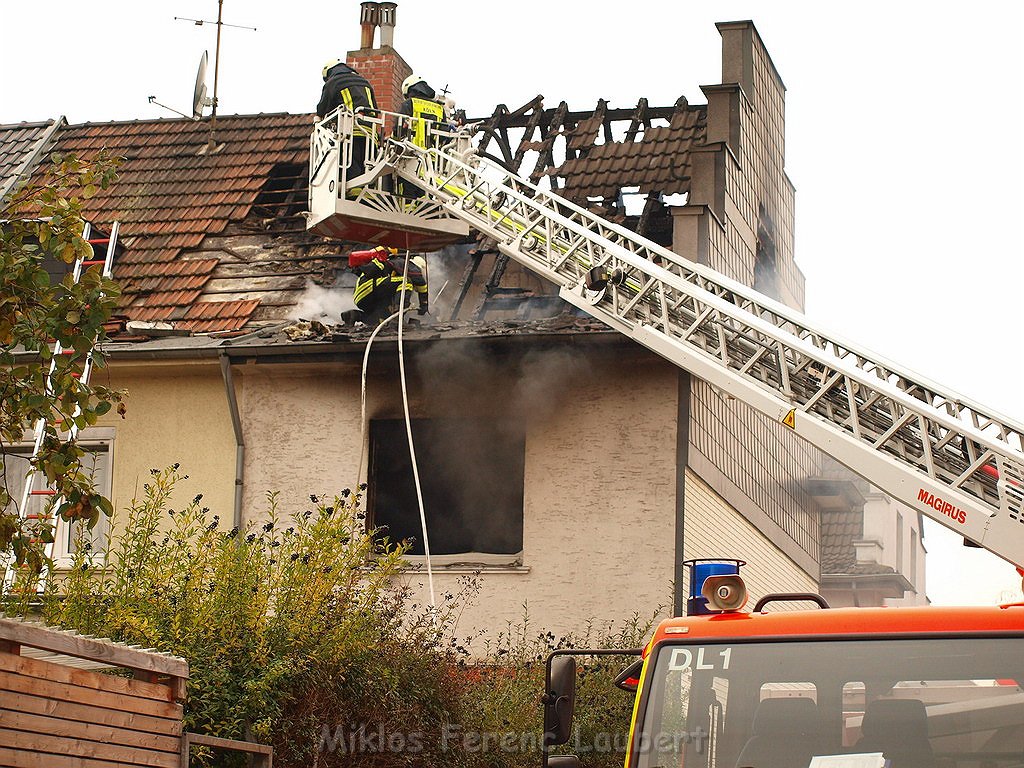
column 940, row 702
column 96, row 463
column 471, row 474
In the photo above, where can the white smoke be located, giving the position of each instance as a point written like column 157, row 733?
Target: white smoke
column 319, row 303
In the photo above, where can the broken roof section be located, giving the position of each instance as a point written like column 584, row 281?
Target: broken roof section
column 174, row 190
column 630, row 166
column 215, row 242
column 598, row 153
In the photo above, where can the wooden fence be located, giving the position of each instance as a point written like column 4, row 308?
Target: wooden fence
column 54, row 715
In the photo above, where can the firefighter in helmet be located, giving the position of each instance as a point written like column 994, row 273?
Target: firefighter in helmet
column 420, row 104
column 380, row 282
column 343, row 86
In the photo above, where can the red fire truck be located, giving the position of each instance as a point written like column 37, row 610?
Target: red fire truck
column 924, row 687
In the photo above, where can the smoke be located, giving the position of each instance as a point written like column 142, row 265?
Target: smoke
column 473, row 378
column 472, row 450
column 318, row 302
column 444, row 271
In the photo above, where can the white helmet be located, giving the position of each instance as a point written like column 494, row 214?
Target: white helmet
column 420, row 262
column 409, row 82
column 329, row 66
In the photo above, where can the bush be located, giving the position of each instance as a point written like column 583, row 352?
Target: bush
column 286, row 626
column 298, row 634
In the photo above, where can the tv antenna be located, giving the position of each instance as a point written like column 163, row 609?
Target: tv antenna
column 200, row 99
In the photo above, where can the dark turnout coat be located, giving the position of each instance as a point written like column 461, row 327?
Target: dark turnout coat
column 345, row 86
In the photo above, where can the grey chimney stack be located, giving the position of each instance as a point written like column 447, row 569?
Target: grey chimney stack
column 386, row 19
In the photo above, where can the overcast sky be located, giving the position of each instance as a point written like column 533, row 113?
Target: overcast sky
column 904, row 137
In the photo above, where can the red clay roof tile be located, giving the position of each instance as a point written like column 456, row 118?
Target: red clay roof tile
column 171, row 194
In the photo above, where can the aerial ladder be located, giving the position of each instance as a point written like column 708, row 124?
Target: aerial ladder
column 954, row 460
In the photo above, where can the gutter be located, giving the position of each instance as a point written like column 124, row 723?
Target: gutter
column 236, row 423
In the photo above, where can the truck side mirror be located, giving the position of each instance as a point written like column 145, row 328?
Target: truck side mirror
column 559, row 700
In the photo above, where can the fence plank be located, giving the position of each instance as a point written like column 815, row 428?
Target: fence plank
column 19, row 758
column 89, row 648
column 56, row 745
column 73, row 729
column 56, row 690
column 69, row 710
column 84, row 678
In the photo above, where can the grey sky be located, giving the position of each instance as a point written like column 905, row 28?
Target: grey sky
column 904, row 137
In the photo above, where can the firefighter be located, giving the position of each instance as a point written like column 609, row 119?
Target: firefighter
column 422, row 105
column 343, row 86
column 380, row 283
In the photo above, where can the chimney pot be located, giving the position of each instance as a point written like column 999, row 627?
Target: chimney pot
column 386, row 19
column 369, row 18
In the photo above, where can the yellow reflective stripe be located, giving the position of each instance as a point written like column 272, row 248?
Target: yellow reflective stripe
column 424, row 110
column 636, row 707
column 408, row 285
column 346, row 96
column 372, row 132
column 363, row 289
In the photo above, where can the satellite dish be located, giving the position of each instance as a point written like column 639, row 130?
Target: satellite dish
column 199, row 98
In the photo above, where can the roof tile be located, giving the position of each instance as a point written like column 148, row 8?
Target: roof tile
column 658, row 162
column 170, row 194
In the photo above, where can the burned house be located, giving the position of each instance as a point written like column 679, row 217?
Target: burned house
column 556, row 455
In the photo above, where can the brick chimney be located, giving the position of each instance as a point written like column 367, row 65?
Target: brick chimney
column 382, row 65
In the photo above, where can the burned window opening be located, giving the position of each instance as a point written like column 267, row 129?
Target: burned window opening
column 471, row 474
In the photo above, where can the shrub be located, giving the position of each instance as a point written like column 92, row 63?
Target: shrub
column 286, row 625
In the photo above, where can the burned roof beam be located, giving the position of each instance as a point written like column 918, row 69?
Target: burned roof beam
column 615, row 115
column 652, row 204
column 472, row 264
column 546, row 156
column 640, row 117
column 532, row 124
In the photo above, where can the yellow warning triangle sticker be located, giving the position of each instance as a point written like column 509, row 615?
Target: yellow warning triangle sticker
column 790, row 419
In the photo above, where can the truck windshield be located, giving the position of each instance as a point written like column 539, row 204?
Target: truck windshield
column 889, row 703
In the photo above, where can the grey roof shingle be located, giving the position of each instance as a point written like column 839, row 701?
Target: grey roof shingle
column 21, row 145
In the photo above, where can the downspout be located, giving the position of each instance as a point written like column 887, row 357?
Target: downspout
column 236, row 423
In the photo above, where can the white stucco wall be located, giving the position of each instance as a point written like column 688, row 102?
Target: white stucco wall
column 600, row 474
column 301, row 428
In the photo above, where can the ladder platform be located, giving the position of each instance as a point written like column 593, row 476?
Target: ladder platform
column 363, row 206
column 359, row 222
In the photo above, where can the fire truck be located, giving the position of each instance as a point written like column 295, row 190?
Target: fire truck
column 724, row 687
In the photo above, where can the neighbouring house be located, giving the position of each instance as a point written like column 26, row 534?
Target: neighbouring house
column 557, row 457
